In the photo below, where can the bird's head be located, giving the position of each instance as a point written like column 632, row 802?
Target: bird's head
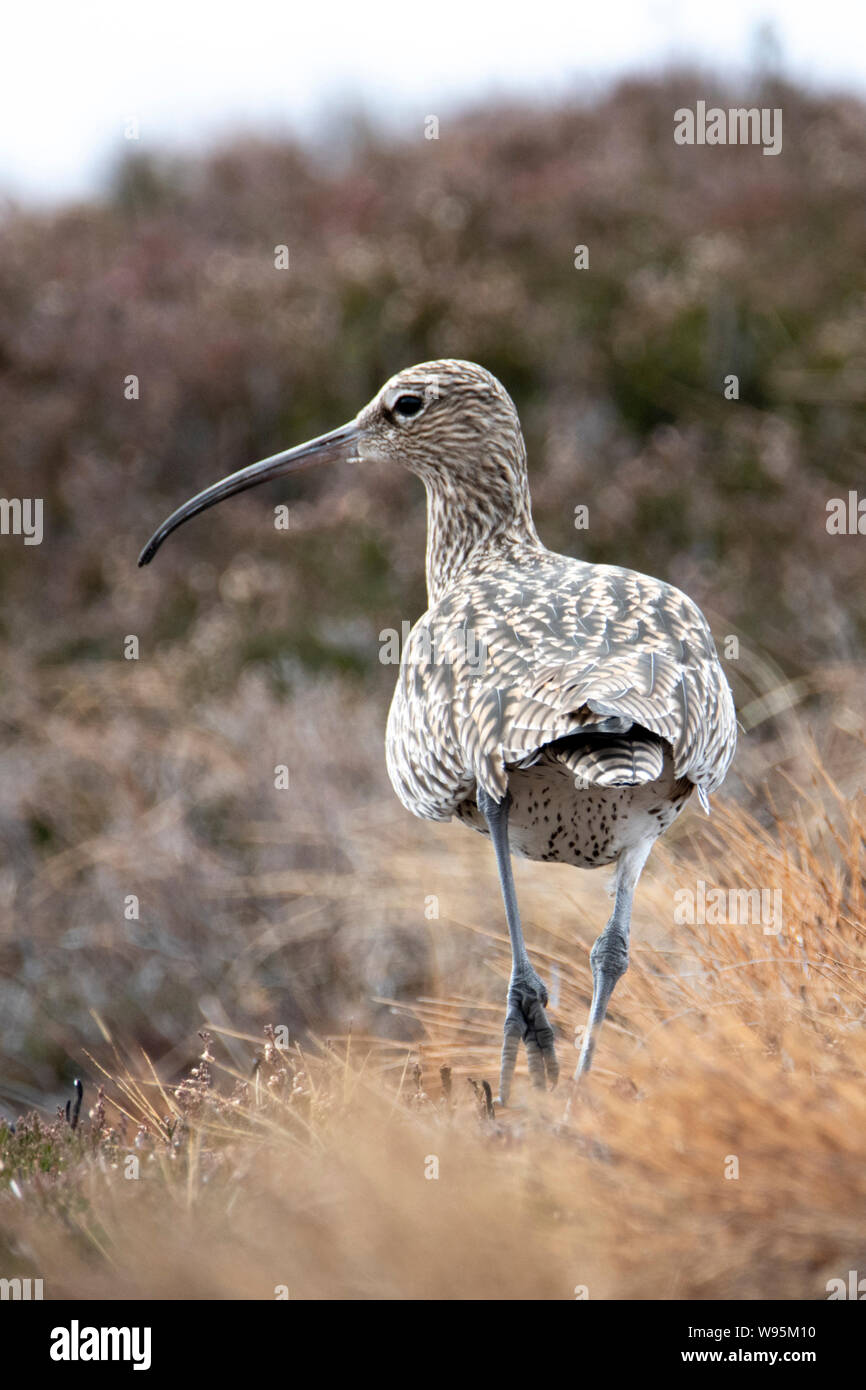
column 450, row 422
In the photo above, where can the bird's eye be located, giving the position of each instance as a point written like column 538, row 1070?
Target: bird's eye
column 408, row 405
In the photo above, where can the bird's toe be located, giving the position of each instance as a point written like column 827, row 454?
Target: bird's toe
column 526, row 1019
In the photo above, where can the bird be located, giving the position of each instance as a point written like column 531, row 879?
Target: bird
column 567, row 710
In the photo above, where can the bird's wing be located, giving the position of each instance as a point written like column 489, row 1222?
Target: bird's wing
column 525, row 659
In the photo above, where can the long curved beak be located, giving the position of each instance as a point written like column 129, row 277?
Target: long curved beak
column 327, row 448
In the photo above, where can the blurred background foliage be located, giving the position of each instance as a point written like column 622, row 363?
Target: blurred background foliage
column 260, row 647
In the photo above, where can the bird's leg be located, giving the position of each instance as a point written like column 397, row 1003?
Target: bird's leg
column 527, row 994
column 609, row 955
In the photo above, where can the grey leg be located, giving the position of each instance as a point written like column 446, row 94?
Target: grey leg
column 527, row 994
column 609, row 955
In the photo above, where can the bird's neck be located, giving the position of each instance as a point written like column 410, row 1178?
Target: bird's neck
column 461, row 529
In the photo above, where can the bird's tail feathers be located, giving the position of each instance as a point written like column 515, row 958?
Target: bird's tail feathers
column 612, row 762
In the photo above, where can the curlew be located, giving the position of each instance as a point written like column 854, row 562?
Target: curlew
column 566, row 710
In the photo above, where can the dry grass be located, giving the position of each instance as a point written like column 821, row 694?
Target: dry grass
column 722, row 1042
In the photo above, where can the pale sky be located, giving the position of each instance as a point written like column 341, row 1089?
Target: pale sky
column 191, row 70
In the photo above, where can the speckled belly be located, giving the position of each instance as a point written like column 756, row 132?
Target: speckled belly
column 552, row 820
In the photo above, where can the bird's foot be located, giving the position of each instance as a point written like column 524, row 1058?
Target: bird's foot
column 527, row 1021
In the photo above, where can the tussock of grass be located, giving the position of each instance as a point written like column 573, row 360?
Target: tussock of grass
column 309, row 1170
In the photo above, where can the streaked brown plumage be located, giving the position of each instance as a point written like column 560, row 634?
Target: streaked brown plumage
column 566, row 709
